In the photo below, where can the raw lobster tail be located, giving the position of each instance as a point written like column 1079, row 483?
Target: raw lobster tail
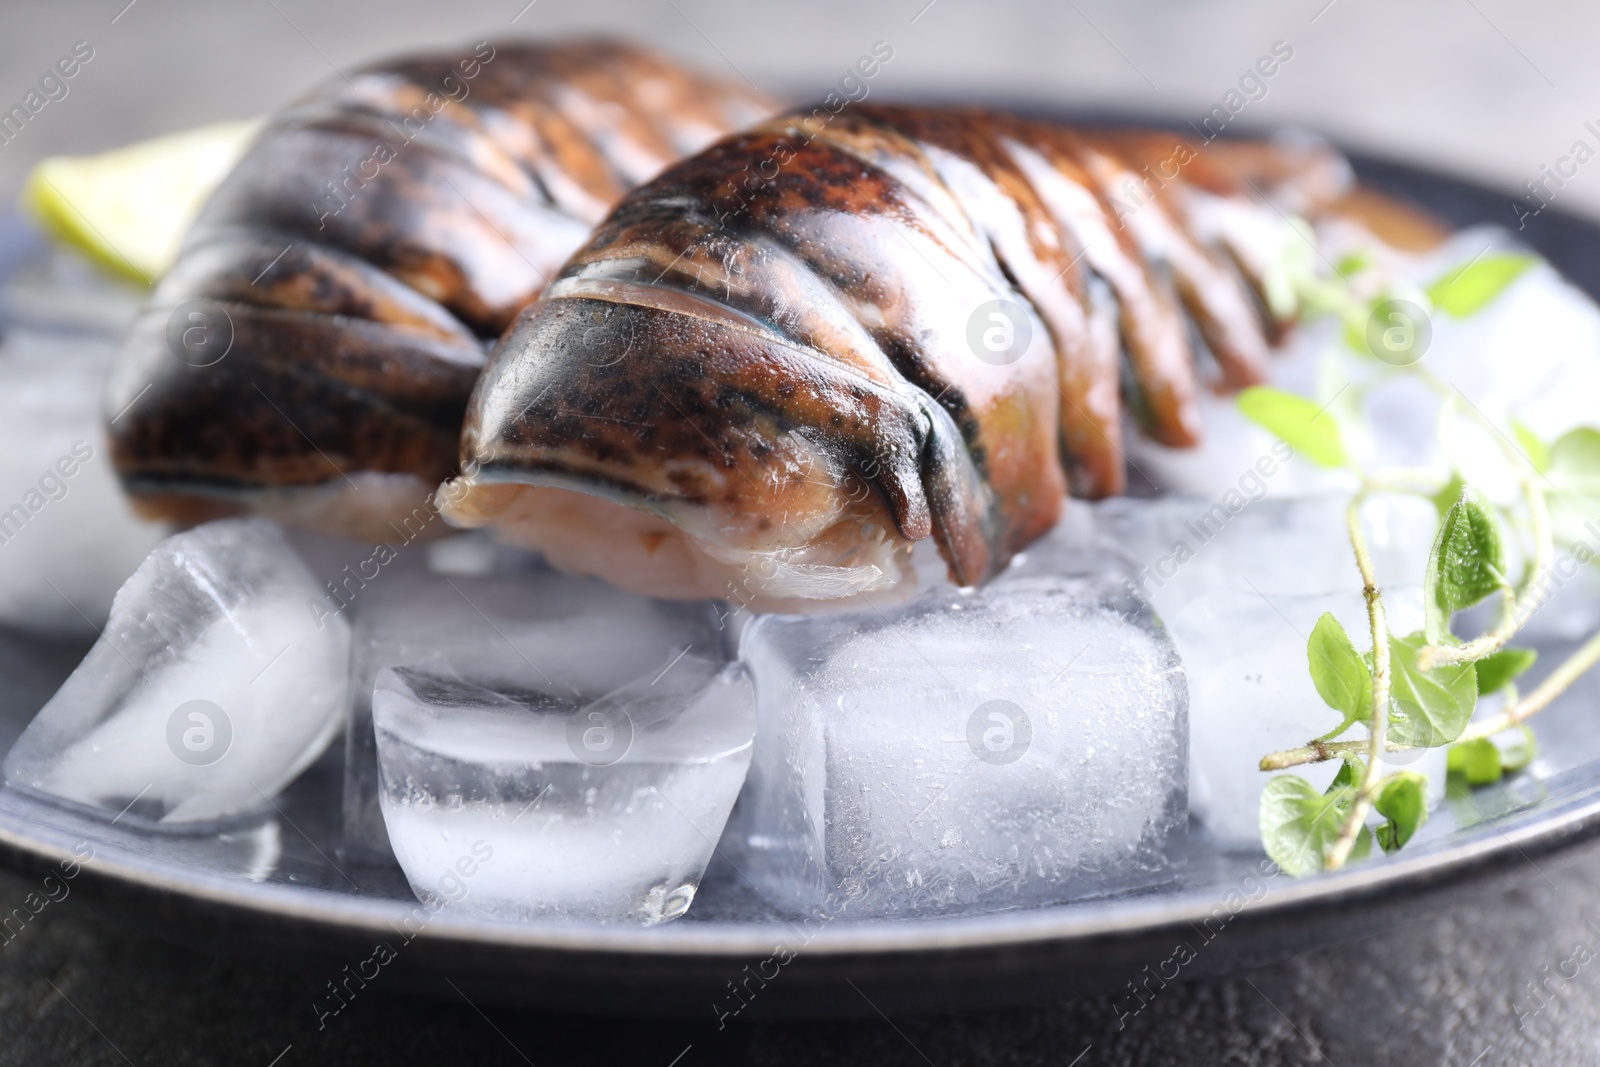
column 327, row 316
column 824, row 339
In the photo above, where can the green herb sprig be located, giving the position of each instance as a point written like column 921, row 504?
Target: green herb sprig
column 1420, row 690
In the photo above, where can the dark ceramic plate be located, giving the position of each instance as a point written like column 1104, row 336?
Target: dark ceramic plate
column 279, row 887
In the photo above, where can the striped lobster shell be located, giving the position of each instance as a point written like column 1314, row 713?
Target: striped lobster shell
column 823, row 339
column 311, row 352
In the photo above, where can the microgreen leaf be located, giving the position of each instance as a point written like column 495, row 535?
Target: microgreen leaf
column 1577, row 452
column 1403, row 801
column 1299, row 825
column 1446, row 498
column 1574, row 472
column 1532, row 445
column 1496, row 670
column 1350, row 772
column 1462, row 291
column 1354, row 263
column 1300, row 423
column 1486, row 760
column 1291, row 275
column 1467, row 563
column 1341, row 676
column 1476, row 761
column 1428, row 708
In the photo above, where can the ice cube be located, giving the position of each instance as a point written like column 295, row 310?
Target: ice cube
column 68, row 537
column 1014, row 746
column 1239, row 591
column 1177, row 547
column 1250, row 693
column 517, row 804
column 1533, row 352
column 535, row 630
column 213, row 686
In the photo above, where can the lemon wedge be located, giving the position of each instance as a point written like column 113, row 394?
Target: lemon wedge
column 128, row 208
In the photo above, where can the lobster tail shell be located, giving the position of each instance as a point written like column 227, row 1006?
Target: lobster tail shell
column 331, row 305
column 910, row 321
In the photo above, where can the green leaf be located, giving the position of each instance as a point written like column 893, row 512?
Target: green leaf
column 1462, row 291
column 1496, row 670
column 1299, row 825
column 1466, row 565
column 1446, row 498
column 1354, row 263
column 1291, row 275
column 1297, row 421
column 1427, row 708
column 1403, row 801
column 1350, row 772
column 1486, row 760
column 1477, row 761
column 1355, row 336
column 1517, row 748
column 1576, row 453
column 1574, row 499
column 1532, row 445
column 1339, row 673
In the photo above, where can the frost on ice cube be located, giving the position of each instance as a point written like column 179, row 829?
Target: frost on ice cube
column 572, row 638
column 1532, row 352
column 562, row 808
column 1239, row 590
column 1020, row 745
column 1176, row 548
column 212, row 687
column 68, row 536
column 1250, row 693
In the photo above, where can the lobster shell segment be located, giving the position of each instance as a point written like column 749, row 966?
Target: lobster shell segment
column 311, row 353
column 816, row 343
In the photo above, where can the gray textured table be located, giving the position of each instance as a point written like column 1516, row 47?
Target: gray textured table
column 1481, row 985
column 1482, row 87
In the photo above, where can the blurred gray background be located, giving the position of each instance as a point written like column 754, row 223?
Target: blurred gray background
column 1489, row 88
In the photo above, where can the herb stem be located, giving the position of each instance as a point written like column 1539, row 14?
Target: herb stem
column 1379, row 723
column 1517, row 609
column 1419, row 481
column 1320, row 752
column 1542, row 694
column 1515, row 713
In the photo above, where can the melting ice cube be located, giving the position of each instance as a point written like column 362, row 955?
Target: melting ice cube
column 572, row 638
column 1239, row 591
column 1250, row 693
column 516, row 804
column 212, row 687
column 1020, row 745
column 1175, row 548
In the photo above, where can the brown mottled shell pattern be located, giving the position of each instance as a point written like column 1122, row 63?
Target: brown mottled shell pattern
column 375, row 237
column 806, row 287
